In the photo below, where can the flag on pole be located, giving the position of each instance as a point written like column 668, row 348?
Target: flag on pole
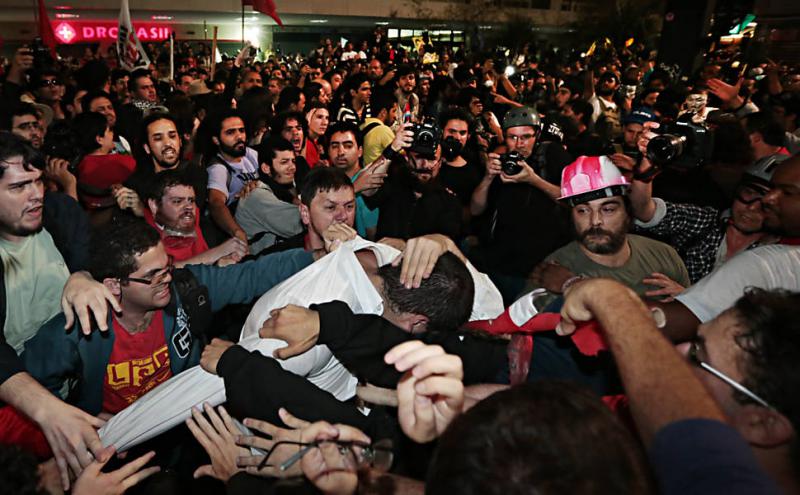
column 265, row 7
column 129, row 49
column 45, row 29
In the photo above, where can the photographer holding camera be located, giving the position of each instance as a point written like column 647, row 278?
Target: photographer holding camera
column 412, row 200
column 525, row 223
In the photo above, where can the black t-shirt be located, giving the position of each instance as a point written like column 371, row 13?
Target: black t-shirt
column 523, row 225
column 404, row 215
column 461, row 180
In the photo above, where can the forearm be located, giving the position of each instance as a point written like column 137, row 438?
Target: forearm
column 660, row 385
column 480, row 197
column 26, row 395
column 681, row 324
column 223, row 218
column 641, row 197
column 552, row 191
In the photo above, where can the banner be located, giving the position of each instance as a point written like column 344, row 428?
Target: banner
column 129, row 50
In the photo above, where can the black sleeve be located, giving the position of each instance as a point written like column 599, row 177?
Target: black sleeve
column 68, row 224
column 231, row 84
column 257, row 386
column 482, row 357
column 10, row 363
column 245, row 484
column 360, row 341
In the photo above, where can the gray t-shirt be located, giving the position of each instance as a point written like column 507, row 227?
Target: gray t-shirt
column 261, row 211
column 647, row 256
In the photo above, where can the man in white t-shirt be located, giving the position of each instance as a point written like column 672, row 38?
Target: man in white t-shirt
column 766, row 267
column 230, row 171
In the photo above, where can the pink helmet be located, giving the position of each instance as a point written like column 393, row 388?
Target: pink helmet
column 591, row 177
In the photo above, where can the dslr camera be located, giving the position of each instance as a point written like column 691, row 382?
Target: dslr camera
column 427, row 136
column 508, row 162
column 683, row 144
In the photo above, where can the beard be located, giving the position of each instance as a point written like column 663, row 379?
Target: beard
column 237, row 150
column 615, row 242
column 605, row 91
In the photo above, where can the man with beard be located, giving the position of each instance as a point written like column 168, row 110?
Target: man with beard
column 412, row 201
column 377, row 130
column 406, row 82
column 172, row 210
column 229, row 170
column 607, row 114
column 160, row 149
column 595, row 191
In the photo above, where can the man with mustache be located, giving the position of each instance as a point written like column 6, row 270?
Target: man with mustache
column 596, row 193
column 232, row 168
column 172, row 210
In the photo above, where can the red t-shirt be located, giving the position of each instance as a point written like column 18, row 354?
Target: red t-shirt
column 138, row 363
column 312, row 153
column 181, row 248
column 101, row 172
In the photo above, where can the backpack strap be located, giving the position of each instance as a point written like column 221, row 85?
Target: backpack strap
column 369, row 127
column 195, row 301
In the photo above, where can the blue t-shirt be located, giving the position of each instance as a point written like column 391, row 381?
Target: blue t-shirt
column 702, row 456
column 365, row 217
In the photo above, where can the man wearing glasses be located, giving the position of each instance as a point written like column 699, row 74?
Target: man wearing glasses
column 697, row 421
column 705, row 236
column 524, row 223
column 157, row 334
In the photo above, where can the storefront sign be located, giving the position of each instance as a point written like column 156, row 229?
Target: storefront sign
column 77, row 32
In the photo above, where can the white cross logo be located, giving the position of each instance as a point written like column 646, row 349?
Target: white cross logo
column 65, row 32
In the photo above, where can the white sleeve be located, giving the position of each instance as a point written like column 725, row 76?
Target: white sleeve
column 218, row 178
column 766, row 267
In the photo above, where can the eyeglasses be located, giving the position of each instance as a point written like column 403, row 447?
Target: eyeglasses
column 695, row 360
column 516, row 139
column 49, row 82
column 157, row 278
column 356, row 455
column 749, row 195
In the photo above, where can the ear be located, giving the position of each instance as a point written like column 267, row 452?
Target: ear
column 266, row 169
column 151, row 203
column 360, row 151
column 411, row 323
column 215, row 140
column 305, row 215
column 113, row 285
column 147, row 149
column 763, row 427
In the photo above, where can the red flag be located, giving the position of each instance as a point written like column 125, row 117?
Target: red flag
column 265, row 7
column 45, row 29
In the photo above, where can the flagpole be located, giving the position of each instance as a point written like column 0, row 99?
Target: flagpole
column 242, row 24
column 214, row 52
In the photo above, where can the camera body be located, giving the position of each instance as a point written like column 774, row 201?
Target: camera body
column 508, row 162
column 683, row 144
column 41, row 54
column 427, row 136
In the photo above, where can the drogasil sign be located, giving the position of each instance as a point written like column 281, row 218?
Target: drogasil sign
column 76, row 32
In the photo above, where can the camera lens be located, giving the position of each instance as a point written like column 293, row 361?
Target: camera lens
column 665, row 148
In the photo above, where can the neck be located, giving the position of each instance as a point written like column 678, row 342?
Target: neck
column 458, row 161
column 737, row 240
column 352, row 170
column 99, row 152
column 613, row 260
column 314, row 241
column 357, row 105
column 229, row 158
column 135, row 321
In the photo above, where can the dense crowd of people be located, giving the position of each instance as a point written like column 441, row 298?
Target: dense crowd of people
column 373, row 269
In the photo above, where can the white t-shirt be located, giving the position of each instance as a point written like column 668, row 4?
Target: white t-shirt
column 766, row 267
column 245, row 171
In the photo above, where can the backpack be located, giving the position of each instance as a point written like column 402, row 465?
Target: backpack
column 609, row 123
column 195, row 301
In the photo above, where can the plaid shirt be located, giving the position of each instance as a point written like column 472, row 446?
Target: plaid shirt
column 697, row 233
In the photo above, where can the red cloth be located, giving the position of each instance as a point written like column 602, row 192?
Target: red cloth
column 45, row 29
column 312, row 153
column 138, row 363
column 17, row 429
column 587, row 337
column 181, row 248
column 790, row 241
column 265, row 7
column 102, row 172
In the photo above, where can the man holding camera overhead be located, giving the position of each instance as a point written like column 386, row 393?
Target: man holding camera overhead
column 412, row 201
column 524, row 222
